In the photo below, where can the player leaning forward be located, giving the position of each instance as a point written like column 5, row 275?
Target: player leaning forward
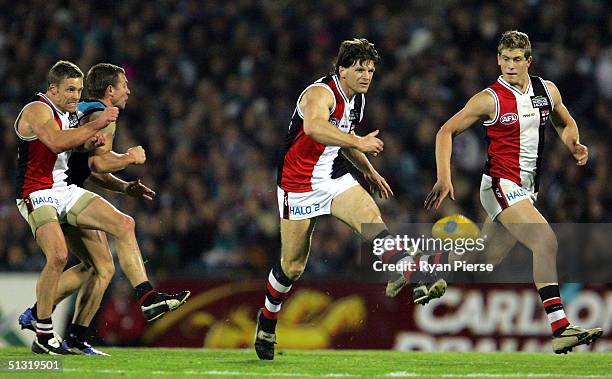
column 515, row 111
column 313, row 178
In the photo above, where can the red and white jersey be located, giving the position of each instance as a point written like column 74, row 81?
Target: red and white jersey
column 37, row 166
column 306, row 164
column 515, row 137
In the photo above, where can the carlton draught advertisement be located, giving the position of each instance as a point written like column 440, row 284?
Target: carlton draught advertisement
column 357, row 315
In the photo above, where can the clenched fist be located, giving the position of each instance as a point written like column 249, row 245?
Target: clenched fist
column 108, row 115
column 138, row 154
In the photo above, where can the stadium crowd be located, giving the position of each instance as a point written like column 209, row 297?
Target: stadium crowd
column 214, row 85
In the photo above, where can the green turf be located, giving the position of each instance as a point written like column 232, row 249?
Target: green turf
column 196, row 363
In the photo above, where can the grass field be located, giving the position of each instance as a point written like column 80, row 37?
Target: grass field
column 199, row 363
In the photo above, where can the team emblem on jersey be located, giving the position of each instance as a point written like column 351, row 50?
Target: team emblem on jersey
column 354, row 115
column 509, row 118
column 544, row 115
column 334, row 122
column 539, row 101
column 73, row 120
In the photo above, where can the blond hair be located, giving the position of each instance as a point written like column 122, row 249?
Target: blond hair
column 513, row 39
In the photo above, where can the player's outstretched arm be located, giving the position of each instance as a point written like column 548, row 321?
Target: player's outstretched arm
column 566, row 127
column 37, row 120
column 315, row 106
column 378, row 184
column 480, row 107
column 110, row 182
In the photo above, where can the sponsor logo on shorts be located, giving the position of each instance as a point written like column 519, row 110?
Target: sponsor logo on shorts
column 518, row 193
column 44, row 200
column 305, row 210
column 508, row 118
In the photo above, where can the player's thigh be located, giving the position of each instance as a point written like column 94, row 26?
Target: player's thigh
column 527, row 225
column 295, row 238
column 498, row 241
column 101, row 215
column 91, row 246
column 356, row 207
column 50, row 239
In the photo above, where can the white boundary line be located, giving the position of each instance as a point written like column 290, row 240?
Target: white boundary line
column 398, row 374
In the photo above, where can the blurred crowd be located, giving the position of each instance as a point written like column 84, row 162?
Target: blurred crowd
column 214, row 84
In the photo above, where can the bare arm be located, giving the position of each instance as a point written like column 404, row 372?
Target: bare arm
column 480, row 107
column 37, row 120
column 111, row 161
column 566, row 127
column 104, row 159
column 108, row 181
column 315, row 105
column 112, row 183
column 359, row 160
column 378, row 184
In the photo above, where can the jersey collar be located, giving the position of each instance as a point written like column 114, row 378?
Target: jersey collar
column 337, row 81
column 48, row 101
column 513, row 88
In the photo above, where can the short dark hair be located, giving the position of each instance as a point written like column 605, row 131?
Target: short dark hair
column 355, row 51
column 513, row 39
column 63, row 70
column 99, row 77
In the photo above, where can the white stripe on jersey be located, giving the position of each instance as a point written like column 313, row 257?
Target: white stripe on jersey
column 16, row 125
column 552, row 101
column 513, row 88
column 299, row 111
column 335, row 77
column 362, row 107
column 529, row 121
column 323, row 168
column 494, row 120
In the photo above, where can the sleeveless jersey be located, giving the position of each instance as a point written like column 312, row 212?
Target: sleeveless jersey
column 78, row 166
column 515, row 137
column 304, row 163
column 38, row 167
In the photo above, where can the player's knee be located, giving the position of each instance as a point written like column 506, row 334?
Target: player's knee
column 294, row 269
column 125, row 225
column 546, row 244
column 550, row 245
column 58, row 260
